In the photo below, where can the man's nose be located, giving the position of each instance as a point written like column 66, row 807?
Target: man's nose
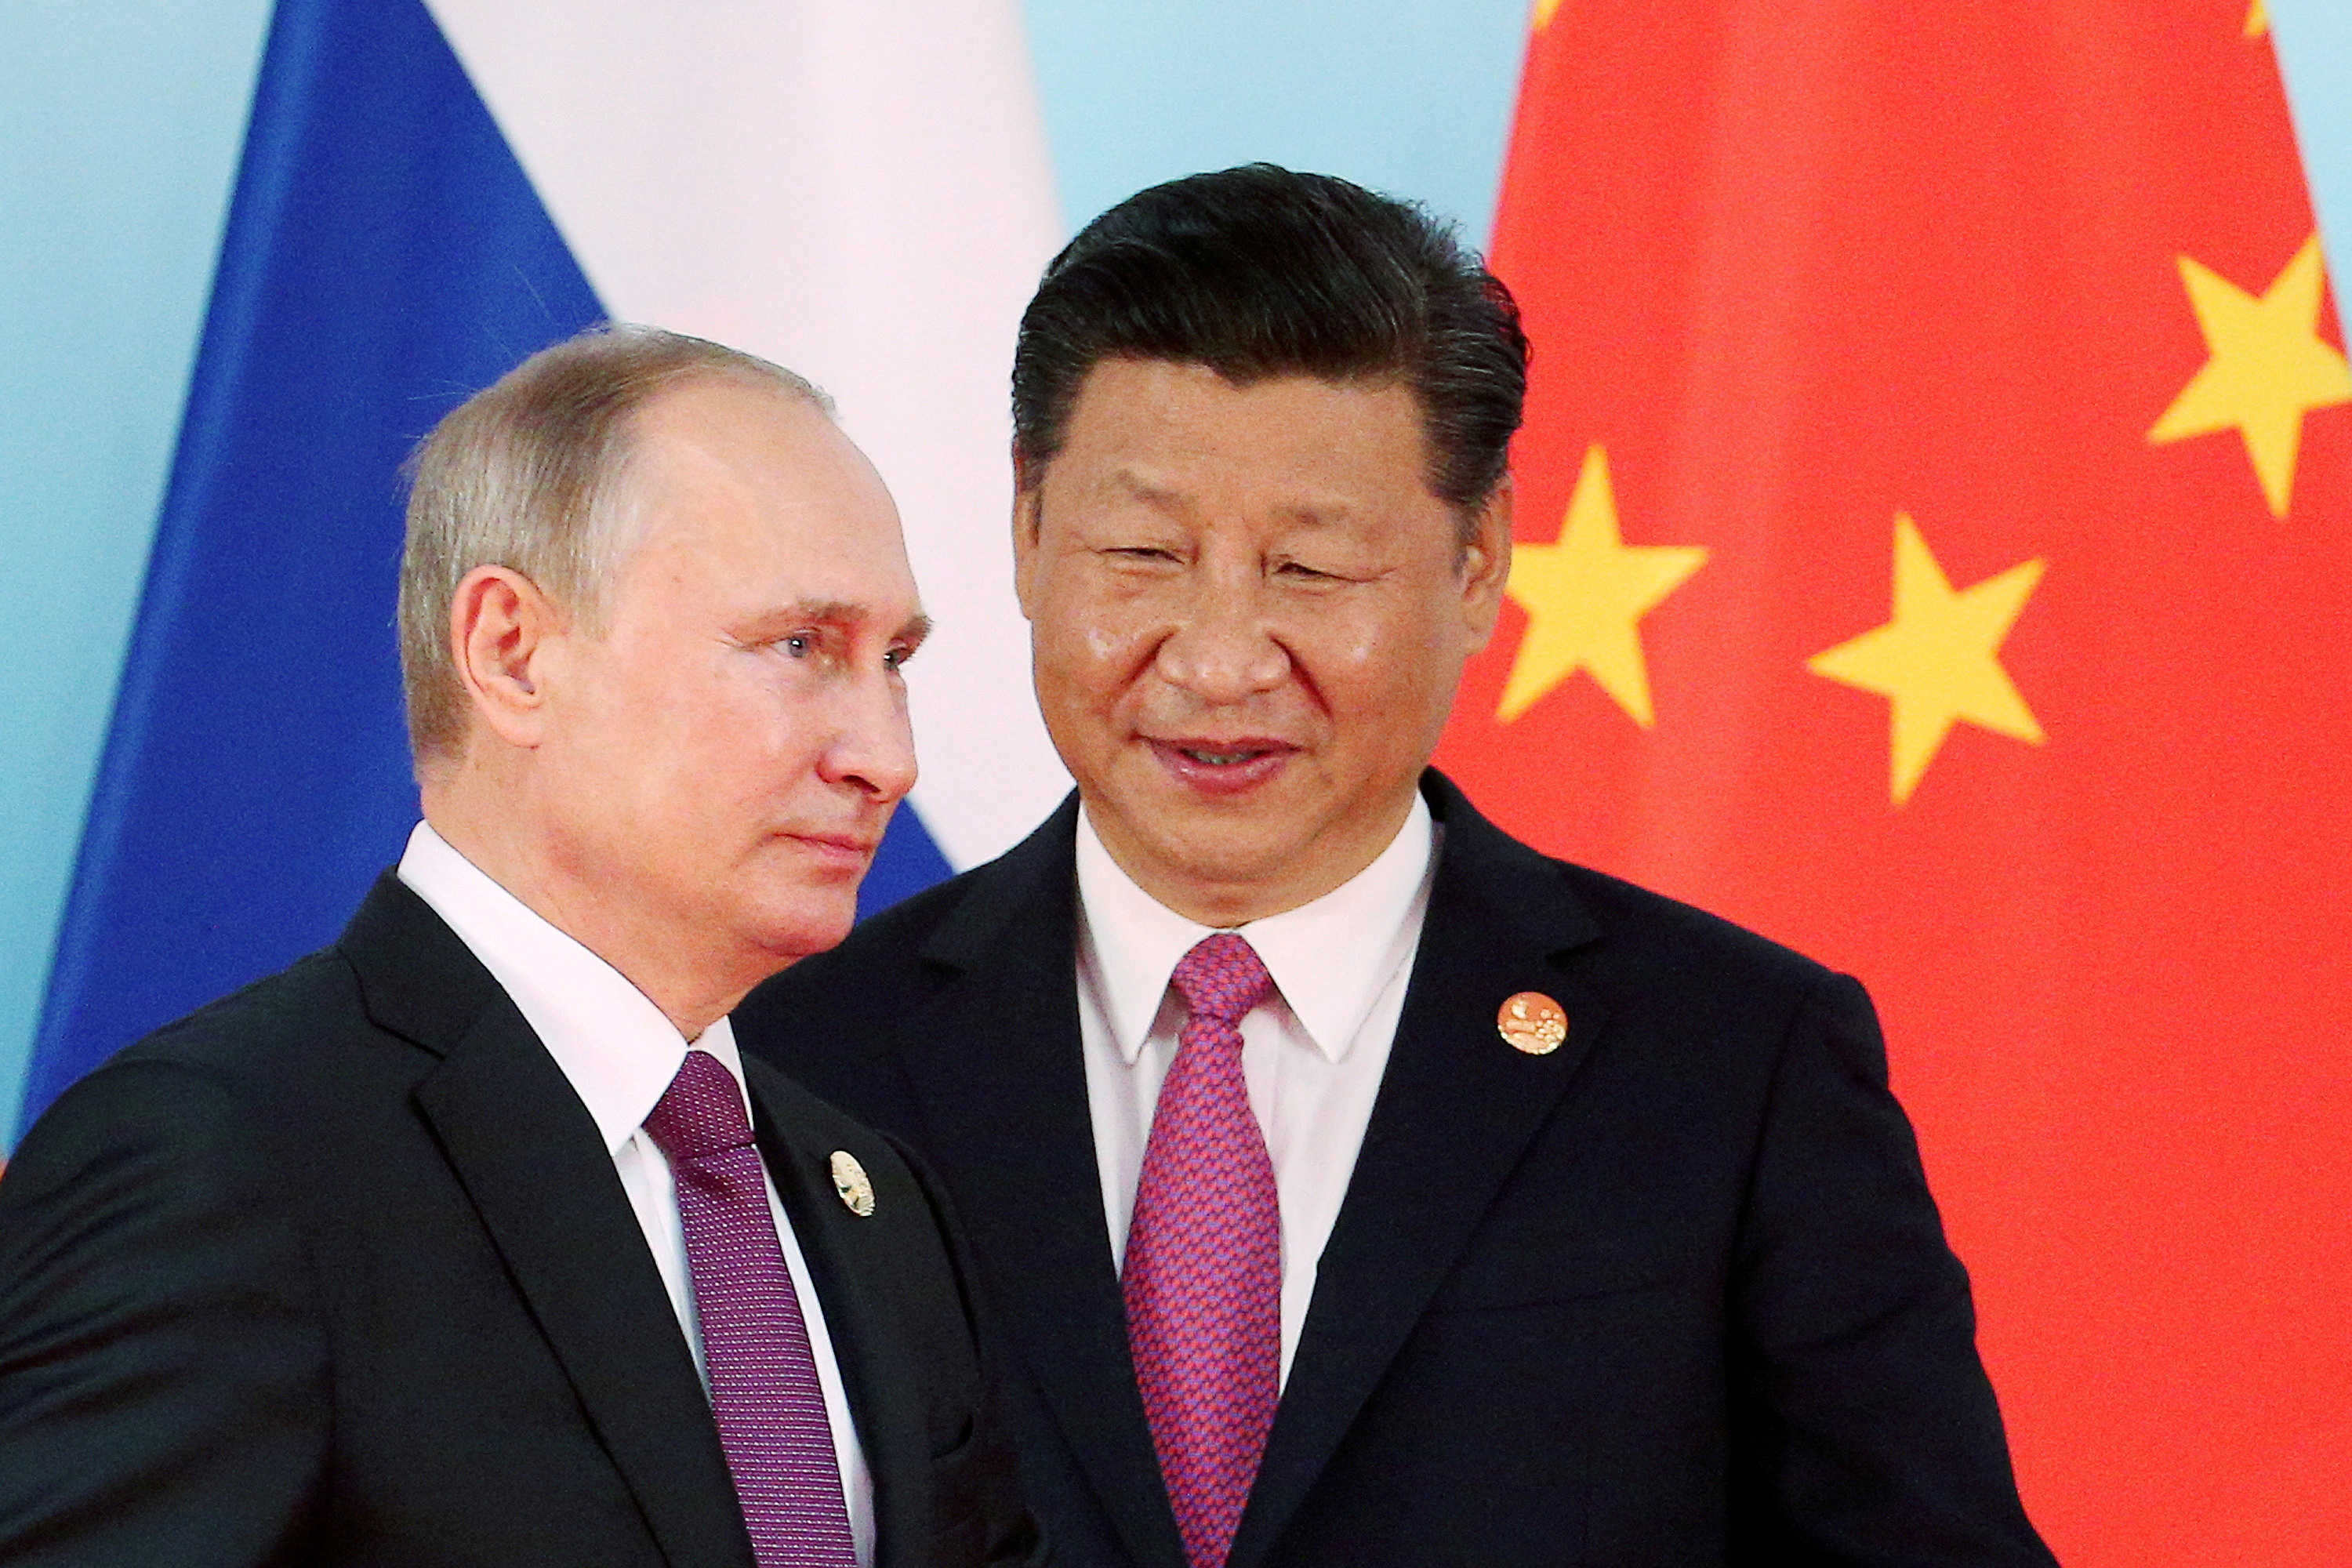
column 873, row 746
column 1223, row 648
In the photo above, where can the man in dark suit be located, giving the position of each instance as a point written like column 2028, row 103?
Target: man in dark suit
column 470, row 1239
column 1353, row 1183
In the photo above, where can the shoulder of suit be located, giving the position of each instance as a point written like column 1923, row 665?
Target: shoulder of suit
column 1681, row 938
column 298, row 1043
column 216, row 1089
column 1641, row 933
column 272, row 1028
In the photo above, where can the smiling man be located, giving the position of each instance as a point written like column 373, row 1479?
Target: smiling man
column 1354, row 1184
column 470, row 1239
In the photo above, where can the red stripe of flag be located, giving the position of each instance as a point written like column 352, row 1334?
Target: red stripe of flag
column 1936, row 517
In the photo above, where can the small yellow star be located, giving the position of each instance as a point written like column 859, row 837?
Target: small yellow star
column 1546, row 8
column 2269, row 367
column 1937, row 661
column 2258, row 18
column 1585, row 597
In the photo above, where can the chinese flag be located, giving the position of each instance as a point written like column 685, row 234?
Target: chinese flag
column 1934, row 522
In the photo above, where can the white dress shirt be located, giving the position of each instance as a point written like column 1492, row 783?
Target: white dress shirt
column 1313, row 1051
column 620, row 1053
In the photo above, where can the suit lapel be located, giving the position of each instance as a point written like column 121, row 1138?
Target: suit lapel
column 529, row 1158
column 995, row 1061
column 884, row 1395
column 1456, row 1110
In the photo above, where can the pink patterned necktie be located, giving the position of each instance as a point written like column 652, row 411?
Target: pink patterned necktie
column 755, row 1342
column 1203, row 1271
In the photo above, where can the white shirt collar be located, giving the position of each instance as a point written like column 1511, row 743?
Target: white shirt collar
column 1330, row 959
column 619, row 1049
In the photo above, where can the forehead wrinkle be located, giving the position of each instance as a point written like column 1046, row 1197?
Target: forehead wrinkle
column 1143, row 488
column 1168, row 498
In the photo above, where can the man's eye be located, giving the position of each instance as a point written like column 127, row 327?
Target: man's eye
column 1299, row 569
column 798, row 646
column 897, row 657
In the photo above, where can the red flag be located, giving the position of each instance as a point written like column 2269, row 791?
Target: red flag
column 1936, row 552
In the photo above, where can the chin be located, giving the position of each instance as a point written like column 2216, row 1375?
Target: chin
column 1215, row 860
column 806, row 932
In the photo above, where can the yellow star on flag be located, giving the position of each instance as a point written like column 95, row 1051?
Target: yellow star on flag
column 1937, row 661
column 2269, row 367
column 2258, row 18
column 1585, row 597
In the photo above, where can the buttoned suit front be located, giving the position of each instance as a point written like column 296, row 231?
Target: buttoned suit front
column 339, row 1270
column 1674, row 1293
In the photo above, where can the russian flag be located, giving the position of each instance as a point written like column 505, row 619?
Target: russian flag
column 857, row 189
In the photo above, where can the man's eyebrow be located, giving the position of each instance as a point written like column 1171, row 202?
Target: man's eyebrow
column 832, row 612
column 829, row 613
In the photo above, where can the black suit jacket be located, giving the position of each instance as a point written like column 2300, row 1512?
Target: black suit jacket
column 338, row 1271
column 1675, row 1294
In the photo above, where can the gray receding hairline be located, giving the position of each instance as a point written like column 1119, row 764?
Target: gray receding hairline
column 531, row 474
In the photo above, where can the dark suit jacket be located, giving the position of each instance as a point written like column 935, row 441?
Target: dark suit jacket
column 338, row 1271
column 1675, row 1294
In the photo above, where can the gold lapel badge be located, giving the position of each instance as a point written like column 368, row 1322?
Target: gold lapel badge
column 1532, row 1022
column 849, row 1181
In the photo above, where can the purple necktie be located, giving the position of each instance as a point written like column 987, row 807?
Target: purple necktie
column 1203, row 1271
column 755, row 1344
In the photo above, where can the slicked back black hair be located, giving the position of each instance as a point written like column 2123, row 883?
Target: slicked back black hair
column 1259, row 271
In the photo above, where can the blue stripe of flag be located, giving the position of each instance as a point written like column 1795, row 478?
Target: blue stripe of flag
column 385, row 256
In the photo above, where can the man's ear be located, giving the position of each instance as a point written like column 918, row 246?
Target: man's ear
column 1027, row 516
column 500, row 629
column 1486, row 563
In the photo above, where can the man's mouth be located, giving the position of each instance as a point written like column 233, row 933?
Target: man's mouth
column 1220, row 765
column 842, row 843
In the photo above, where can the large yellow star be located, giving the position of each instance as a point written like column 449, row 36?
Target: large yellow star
column 1937, row 661
column 2269, row 367
column 1585, row 597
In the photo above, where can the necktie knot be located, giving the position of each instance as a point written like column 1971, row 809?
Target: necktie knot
column 1222, row 979
column 701, row 1112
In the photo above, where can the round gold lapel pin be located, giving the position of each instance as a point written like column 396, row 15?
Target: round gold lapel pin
column 849, row 1181
column 1532, row 1022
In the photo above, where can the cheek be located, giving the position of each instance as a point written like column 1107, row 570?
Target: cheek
column 1091, row 647
column 728, row 719
column 1111, row 651
column 1364, row 658
column 1388, row 675
column 1358, row 662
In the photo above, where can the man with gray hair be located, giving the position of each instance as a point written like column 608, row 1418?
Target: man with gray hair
column 470, row 1238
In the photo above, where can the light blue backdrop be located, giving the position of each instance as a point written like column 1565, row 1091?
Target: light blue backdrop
column 119, row 127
